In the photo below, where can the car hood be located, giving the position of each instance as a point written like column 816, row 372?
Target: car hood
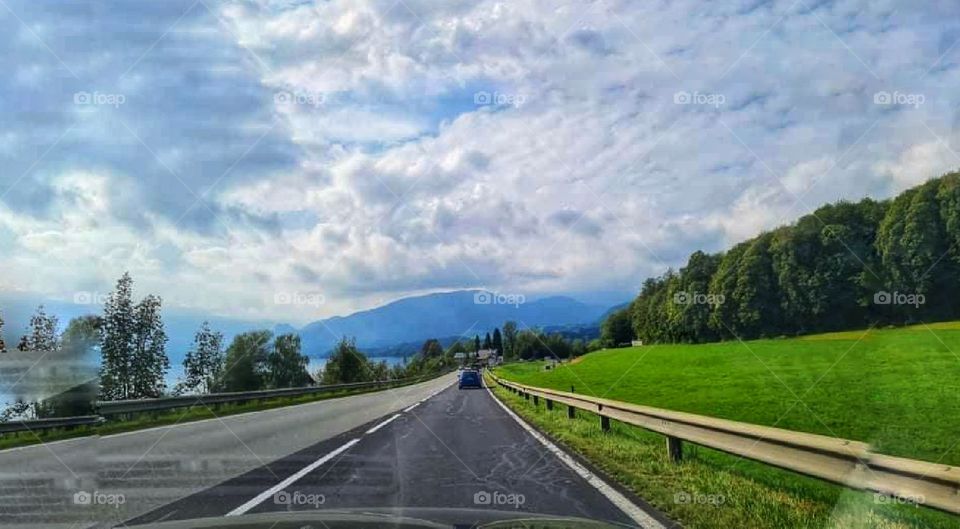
column 419, row 518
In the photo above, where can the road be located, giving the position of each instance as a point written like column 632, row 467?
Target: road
column 436, row 447
column 154, row 467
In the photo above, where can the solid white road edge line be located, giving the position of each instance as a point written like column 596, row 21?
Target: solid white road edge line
column 289, row 481
column 382, row 424
column 635, row 513
column 410, row 407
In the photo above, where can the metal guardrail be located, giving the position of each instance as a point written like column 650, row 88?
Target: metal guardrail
column 46, row 424
column 119, row 407
column 844, row 462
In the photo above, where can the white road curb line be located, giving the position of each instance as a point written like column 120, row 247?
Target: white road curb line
column 635, row 513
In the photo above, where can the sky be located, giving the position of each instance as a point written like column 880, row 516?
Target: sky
column 294, row 160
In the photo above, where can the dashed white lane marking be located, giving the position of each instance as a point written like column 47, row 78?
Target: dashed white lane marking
column 382, row 424
column 290, row 480
column 638, row 515
column 260, row 498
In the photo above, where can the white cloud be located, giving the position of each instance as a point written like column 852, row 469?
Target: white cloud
column 390, row 178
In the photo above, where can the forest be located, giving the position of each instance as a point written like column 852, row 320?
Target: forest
column 846, row 265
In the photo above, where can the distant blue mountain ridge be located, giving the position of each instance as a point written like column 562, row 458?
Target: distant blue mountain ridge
column 405, row 322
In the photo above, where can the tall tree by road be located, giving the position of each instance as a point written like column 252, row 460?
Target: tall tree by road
column 203, row 364
column 431, row 348
column 42, row 335
column 287, row 367
column 510, row 339
column 476, row 343
column 498, row 341
column 245, row 365
column 346, row 364
column 150, row 362
column 487, row 342
column 116, row 348
column 132, row 345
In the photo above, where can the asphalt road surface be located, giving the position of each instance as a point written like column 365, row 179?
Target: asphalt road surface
column 459, row 449
column 127, row 475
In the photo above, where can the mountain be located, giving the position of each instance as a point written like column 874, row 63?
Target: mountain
column 459, row 313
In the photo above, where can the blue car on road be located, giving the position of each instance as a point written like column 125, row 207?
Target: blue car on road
column 470, row 379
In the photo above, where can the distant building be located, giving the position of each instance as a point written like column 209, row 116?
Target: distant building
column 487, row 357
column 636, row 343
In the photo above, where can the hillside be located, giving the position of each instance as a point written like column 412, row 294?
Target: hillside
column 893, row 388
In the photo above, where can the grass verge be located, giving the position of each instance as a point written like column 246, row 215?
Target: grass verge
column 713, row 490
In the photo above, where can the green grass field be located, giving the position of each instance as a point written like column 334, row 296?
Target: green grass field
column 713, row 490
column 897, row 389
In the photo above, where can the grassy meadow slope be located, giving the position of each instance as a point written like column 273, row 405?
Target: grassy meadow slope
column 897, row 389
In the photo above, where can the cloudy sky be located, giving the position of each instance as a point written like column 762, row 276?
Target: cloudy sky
column 231, row 155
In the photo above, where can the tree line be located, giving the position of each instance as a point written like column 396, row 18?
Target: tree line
column 133, row 361
column 513, row 343
column 847, row 265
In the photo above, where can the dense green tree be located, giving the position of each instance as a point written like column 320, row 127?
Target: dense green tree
column 487, row 342
column 203, row 363
column 498, row 341
column 117, row 342
column 510, row 339
column 756, row 294
column 287, row 367
column 431, row 348
column 346, row 364
column 836, row 268
column 150, row 362
column 42, row 333
column 617, row 328
column 476, row 343
column 245, row 366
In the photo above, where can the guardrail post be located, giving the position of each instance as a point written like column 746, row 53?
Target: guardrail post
column 526, row 395
column 549, row 404
column 605, row 423
column 536, row 400
column 674, row 449
column 571, row 412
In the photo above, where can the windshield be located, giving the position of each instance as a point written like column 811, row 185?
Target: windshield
column 485, row 263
